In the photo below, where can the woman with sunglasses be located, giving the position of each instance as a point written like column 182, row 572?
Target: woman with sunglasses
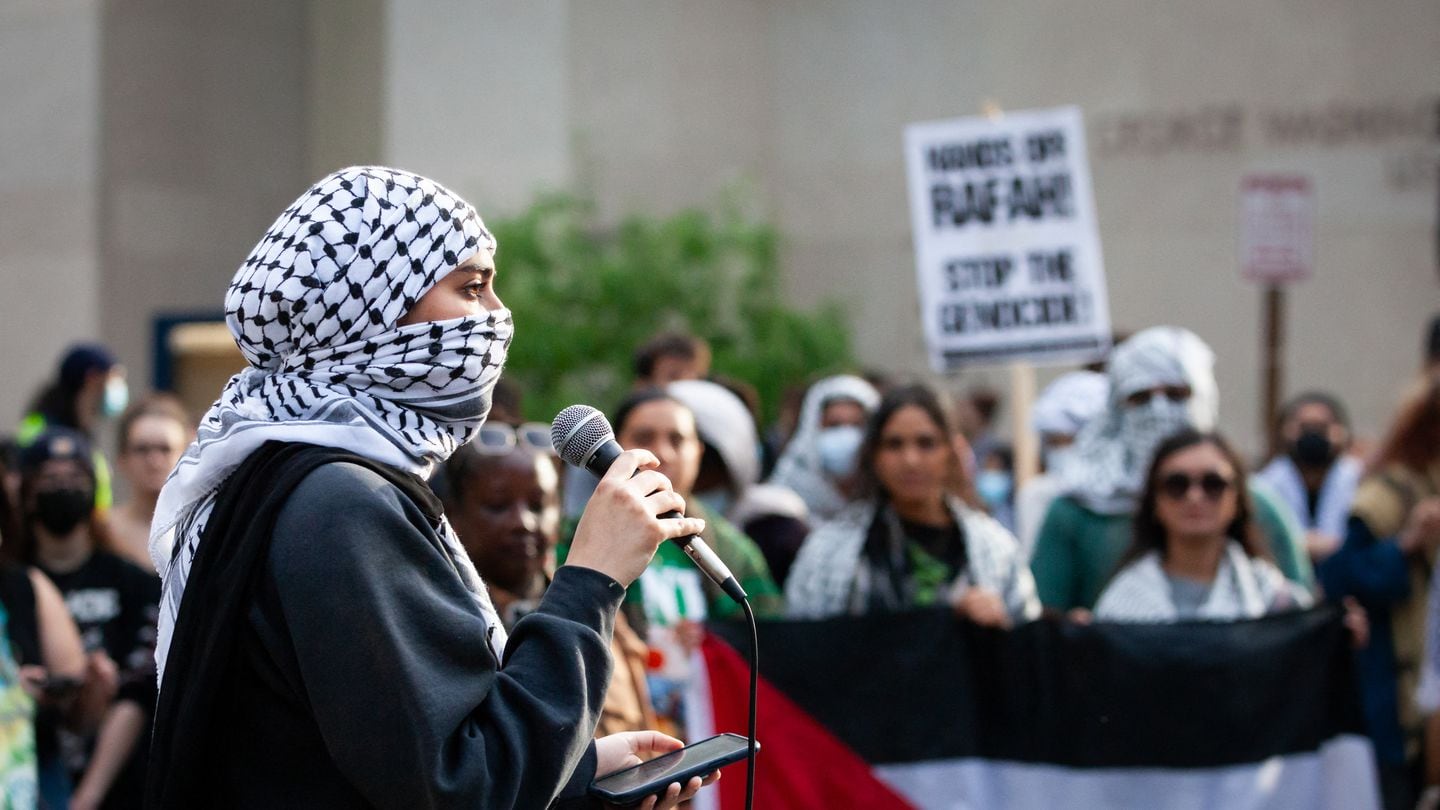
column 1196, row 553
column 1162, row 381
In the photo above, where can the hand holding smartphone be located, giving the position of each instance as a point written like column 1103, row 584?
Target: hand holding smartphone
column 59, row 687
column 633, row 784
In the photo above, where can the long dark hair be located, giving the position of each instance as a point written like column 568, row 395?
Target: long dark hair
column 1149, row 534
column 924, row 398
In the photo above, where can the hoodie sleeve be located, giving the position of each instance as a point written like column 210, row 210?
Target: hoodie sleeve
column 393, row 657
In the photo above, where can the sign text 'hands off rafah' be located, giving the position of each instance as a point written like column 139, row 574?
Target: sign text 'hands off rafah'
column 1017, row 190
column 1007, row 248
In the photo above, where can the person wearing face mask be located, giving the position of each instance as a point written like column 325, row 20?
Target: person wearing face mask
column 1314, row 476
column 113, row 603
column 819, row 463
column 995, row 484
column 39, row 643
column 1066, row 405
column 1162, row 381
column 89, row 386
column 325, row 639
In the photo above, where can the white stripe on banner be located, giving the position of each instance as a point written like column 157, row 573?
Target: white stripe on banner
column 1340, row 776
column 700, row 723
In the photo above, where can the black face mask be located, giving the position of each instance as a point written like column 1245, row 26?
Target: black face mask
column 61, row 510
column 1312, row 449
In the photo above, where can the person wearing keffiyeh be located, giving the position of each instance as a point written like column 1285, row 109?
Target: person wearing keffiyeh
column 324, row 639
column 1195, row 555
column 912, row 542
column 820, row 457
column 1162, row 381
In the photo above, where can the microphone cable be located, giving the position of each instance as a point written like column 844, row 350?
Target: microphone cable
column 582, row 437
column 754, row 693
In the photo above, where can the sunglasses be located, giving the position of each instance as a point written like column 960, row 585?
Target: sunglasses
column 1174, row 393
column 1176, row 486
column 499, row 438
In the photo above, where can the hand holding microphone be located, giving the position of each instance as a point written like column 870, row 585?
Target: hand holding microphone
column 620, row 529
column 631, row 497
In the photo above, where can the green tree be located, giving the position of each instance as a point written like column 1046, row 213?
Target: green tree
column 584, row 297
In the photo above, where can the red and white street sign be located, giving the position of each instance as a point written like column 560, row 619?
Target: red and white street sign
column 1277, row 228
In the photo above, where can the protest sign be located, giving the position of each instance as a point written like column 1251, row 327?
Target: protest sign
column 1007, row 251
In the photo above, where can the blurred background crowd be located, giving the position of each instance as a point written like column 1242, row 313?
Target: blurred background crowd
column 868, row 493
column 703, row 231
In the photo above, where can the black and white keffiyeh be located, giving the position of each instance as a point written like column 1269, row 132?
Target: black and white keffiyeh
column 832, row 578
column 1105, row 470
column 314, row 309
column 1244, row 588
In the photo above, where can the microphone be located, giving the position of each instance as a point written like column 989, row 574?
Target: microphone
column 584, row 438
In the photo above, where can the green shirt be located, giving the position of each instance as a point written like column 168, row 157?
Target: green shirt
column 1078, row 551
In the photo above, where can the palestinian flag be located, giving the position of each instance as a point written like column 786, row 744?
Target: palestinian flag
column 921, row 710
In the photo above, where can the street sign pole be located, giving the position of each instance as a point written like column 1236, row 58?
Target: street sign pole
column 1274, row 353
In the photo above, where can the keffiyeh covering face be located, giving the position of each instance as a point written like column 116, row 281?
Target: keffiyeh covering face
column 799, row 467
column 1106, row 469
column 314, row 309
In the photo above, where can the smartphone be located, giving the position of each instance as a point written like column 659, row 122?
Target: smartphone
column 651, row 778
column 56, row 687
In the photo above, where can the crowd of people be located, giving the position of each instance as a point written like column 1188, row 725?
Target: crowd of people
column 867, row 495
column 79, row 595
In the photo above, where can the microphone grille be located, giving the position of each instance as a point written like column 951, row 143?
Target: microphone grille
column 577, row 431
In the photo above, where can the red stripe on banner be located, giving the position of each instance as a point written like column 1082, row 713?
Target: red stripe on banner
column 801, row 764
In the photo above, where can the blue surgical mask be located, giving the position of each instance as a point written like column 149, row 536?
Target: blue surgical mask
column 116, row 397
column 993, row 487
column 838, row 448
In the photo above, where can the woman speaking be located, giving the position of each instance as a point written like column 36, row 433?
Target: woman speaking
column 324, row 640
